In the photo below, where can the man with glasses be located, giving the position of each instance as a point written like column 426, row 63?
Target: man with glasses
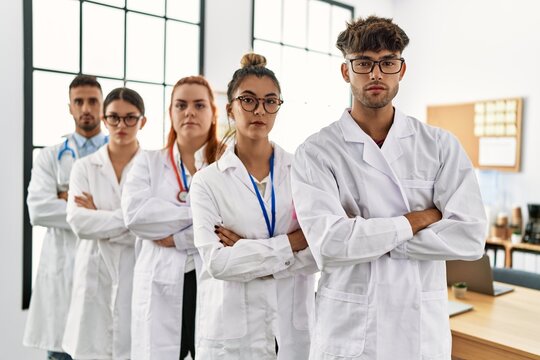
column 47, row 197
column 383, row 200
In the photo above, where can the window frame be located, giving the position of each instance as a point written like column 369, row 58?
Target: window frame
column 28, row 133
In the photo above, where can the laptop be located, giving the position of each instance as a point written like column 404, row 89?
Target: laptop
column 455, row 308
column 477, row 274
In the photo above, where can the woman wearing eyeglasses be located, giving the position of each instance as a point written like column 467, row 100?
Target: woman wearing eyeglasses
column 256, row 288
column 99, row 317
column 157, row 209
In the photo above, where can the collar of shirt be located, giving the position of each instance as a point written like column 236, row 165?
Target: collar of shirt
column 91, row 144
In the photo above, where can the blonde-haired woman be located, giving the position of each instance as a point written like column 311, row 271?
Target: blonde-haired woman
column 156, row 207
column 256, row 288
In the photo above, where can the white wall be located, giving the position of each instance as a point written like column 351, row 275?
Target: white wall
column 463, row 51
column 11, row 184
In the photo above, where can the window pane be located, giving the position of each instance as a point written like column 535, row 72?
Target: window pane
column 267, row 26
column 340, row 16
column 156, row 7
column 182, row 51
column 56, row 34
column 340, row 94
column 145, row 41
column 272, row 53
column 103, row 45
column 319, row 26
column 187, row 10
column 118, row 3
column 107, row 85
column 295, row 78
column 51, row 119
column 318, row 64
column 294, row 22
column 151, row 136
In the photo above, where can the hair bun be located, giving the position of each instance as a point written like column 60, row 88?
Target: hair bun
column 252, row 59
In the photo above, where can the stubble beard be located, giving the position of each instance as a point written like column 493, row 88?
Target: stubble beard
column 374, row 102
column 87, row 126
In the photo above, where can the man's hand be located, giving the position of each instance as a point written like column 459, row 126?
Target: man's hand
column 297, row 240
column 166, row 242
column 63, row 195
column 86, row 201
column 420, row 220
column 226, row 236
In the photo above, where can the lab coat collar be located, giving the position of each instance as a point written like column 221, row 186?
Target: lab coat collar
column 379, row 158
column 401, row 128
column 102, row 160
column 200, row 160
column 282, row 164
column 229, row 158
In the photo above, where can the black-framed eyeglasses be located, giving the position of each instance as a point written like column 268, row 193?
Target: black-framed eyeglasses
column 129, row 120
column 249, row 103
column 366, row 66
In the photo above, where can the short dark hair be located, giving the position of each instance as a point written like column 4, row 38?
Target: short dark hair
column 85, row 80
column 371, row 34
column 126, row 94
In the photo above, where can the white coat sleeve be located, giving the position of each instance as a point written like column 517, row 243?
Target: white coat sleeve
column 44, row 206
column 334, row 238
column 151, row 217
column 461, row 232
column 248, row 259
column 304, row 264
column 91, row 224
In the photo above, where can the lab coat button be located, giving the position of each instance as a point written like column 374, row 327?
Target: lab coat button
column 287, row 263
column 416, row 306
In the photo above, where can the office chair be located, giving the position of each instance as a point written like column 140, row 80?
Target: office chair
column 517, row 277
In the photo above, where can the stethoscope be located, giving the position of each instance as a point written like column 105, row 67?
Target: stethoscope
column 182, row 183
column 66, row 148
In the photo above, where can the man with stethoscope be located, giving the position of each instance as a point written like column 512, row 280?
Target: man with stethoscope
column 47, row 196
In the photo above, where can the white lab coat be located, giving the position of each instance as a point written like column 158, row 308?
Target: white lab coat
column 99, row 318
column 52, row 289
column 152, row 212
column 257, row 290
column 382, row 294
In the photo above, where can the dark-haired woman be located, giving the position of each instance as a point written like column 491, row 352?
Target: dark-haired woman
column 256, row 288
column 157, row 209
column 99, row 317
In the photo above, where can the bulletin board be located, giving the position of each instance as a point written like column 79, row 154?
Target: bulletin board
column 489, row 130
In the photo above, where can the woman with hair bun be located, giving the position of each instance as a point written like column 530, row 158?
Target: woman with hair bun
column 256, row 286
column 99, row 318
column 156, row 207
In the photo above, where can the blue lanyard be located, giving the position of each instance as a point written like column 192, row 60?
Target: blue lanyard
column 270, row 227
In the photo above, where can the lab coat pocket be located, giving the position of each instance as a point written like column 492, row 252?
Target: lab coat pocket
column 435, row 328
column 341, row 321
column 419, row 193
column 303, row 301
column 223, row 313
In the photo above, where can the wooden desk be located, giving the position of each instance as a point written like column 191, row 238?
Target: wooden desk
column 509, row 247
column 505, row 327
